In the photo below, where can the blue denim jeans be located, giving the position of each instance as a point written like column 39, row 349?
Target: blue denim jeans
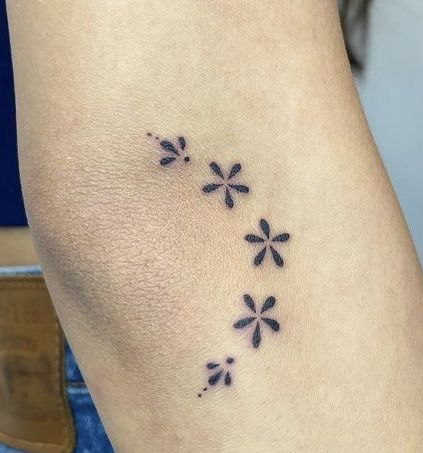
column 89, row 431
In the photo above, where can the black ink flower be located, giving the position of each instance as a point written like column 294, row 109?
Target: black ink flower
column 267, row 242
column 225, row 183
column 220, row 371
column 173, row 152
column 257, row 318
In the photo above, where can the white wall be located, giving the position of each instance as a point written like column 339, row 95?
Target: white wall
column 391, row 90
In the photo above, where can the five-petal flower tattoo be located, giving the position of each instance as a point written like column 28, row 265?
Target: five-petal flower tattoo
column 226, row 183
column 267, row 242
column 257, row 318
column 172, row 152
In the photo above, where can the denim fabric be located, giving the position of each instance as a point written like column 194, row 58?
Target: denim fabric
column 6, row 449
column 89, row 431
column 90, row 434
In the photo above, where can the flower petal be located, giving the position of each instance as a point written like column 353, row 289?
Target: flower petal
column 213, row 380
column 228, row 380
column 268, row 304
column 253, row 238
column 260, row 256
column 244, row 322
column 182, row 142
column 167, row 160
column 272, row 323
column 234, row 170
column 265, row 227
column 168, row 146
column 256, row 336
column 212, row 365
column 216, row 169
column 281, row 237
column 240, row 188
column 210, row 187
column 249, row 302
column 228, row 199
column 278, row 259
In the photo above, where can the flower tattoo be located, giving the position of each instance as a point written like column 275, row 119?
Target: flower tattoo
column 267, row 242
column 257, row 318
column 172, row 153
column 219, row 373
column 225, row 183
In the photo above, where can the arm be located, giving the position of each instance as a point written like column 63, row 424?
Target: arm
column 148, row 271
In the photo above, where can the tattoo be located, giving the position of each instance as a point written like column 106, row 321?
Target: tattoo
column 172, row 153
column 219, row 373
column 267, row 242
column 225, row 183
column 257, row 319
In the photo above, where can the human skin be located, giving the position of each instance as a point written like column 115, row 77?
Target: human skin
column 147, row 272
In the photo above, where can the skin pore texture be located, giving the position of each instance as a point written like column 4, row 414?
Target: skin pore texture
column 150, row 270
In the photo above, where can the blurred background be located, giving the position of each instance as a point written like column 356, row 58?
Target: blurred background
column 391, row 91
column 385, row 46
